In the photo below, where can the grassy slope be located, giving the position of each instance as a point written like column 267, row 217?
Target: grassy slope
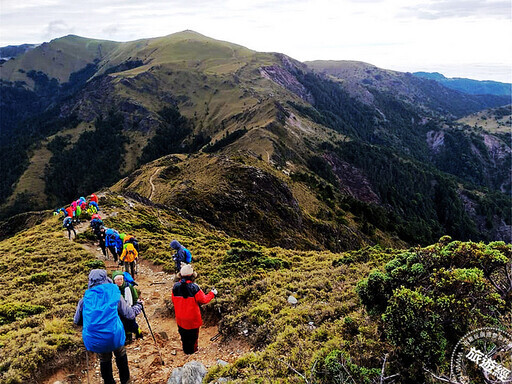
column 251, row 198
column 45, row 271
column 488, row 121
column 32, row 180
column 58, row 58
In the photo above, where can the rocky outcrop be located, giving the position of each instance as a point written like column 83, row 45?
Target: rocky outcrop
column 286, row 79
column 191, row 373
column 352, row 181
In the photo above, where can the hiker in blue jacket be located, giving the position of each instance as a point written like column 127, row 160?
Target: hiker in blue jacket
column 68, row 224
column 114, row 243
column 100, row 312
column 182, row 255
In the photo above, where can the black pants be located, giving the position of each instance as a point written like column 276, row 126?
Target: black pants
column 121, row 362
column 189, row 339
column 130, row 325
column 113, row 250
column 102, row 246
column 130, row 268
column 69, row 231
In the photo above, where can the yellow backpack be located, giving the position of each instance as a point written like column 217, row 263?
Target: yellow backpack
column 129, row 253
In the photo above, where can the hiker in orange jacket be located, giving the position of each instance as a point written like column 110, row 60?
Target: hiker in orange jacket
column 128, row 258
column 187, row 297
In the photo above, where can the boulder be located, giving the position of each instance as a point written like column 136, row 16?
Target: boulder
column 191, row 373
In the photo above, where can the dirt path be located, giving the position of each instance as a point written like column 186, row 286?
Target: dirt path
column 143, row 354
column 151, row 182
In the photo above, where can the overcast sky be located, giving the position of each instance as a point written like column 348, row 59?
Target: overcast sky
column 459, row 38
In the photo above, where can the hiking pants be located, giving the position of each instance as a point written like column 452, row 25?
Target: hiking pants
column 189, row 339
column 121, row 362
column 69, row 232
column 103, row 247
column 113, row 250
column 130, row 267
column 130, row 326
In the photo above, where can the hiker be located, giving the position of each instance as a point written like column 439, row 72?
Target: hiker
column 93, row 207
column 182, row 255
column 94, row 198
column 113, row 243
column 68, row 224
column 186, row 297
column 99, row 230
column 78, row 212
column 130, row 294
column 130, row 239
column 69, row 211
column 100, row 311
column 129, row 257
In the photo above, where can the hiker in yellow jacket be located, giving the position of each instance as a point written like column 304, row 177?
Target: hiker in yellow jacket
column 129, row 257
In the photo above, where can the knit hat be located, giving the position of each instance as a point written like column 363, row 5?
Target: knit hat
column 116, row 274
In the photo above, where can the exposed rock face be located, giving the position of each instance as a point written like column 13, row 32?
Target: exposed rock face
column 352, row 181
column 100, row 96
column 287, row 80
column 435, row 140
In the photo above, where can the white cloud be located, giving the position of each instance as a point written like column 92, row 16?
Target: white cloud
column 387, row 33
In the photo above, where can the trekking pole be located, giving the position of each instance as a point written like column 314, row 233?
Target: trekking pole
column 149, row 326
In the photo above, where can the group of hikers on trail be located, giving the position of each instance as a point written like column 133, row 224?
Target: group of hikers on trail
column 124, row 248
column 74, row 210
column 109, row 308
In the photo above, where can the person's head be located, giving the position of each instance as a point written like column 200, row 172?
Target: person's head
column 97, row 277
column 175, row 245
column 118, row 278
column 187, row 272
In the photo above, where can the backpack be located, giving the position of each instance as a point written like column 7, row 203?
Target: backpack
column 129, row 253
column 103, row 330
column 128, row 278
column 68, row 222
column 188, row 257
column 96, row 224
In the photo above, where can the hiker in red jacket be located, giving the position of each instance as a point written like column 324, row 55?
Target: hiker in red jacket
column 69, row 211
column 94, row 198
column 186, row 297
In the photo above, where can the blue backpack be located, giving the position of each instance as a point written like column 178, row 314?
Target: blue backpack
column 129, row 279
column 103, row 330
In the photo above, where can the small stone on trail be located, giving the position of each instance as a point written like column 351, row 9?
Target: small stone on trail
column 222, row 363
column 292, row 300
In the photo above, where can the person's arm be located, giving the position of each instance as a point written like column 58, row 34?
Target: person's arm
column 201, row 298
column 126, row 311
column 78, row 318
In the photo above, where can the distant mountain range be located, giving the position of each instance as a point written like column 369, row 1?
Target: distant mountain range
column 472, row 87
column 11, row 51
column 324, row 154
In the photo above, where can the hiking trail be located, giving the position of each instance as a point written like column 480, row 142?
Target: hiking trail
column 152, row 184
column 145, row 365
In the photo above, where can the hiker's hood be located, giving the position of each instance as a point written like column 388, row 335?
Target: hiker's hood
column 175, row 244
column 111, row 232
column 97, row 277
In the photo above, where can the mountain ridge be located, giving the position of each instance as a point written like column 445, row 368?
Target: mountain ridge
column 187, row 93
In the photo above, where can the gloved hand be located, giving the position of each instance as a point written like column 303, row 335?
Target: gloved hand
column 214, row 291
